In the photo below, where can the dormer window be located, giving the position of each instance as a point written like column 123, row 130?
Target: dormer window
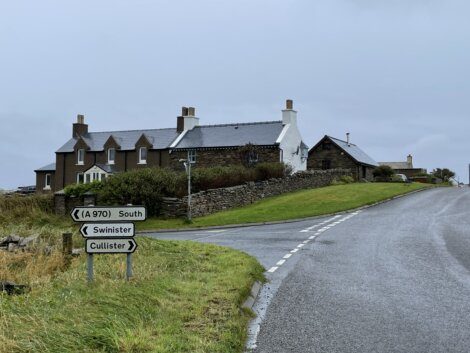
column 81, row 156
column 111, row 155
column 143, row 155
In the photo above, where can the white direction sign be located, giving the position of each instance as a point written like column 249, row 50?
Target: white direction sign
column 109, row 214
column 108, row 230
column 110, row 246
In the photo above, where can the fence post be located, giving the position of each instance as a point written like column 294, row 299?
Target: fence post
column 67, row 246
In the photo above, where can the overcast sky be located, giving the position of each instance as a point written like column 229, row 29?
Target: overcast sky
column 394, row 73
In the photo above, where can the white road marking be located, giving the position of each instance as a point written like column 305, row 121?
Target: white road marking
column 294, row 250
column 300, row 245
column 280, row 262
column 312, row 237
column 217, row 231
column 305, row 242
column 286, row 256
column 273, row 269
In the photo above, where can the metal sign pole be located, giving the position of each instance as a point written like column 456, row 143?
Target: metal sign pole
column 129, row 273
column 90, row 267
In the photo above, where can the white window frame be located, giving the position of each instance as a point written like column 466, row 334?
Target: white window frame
column 141, row 160
column 192, row 156
column 47, row 185
column 78, row 178
column 80, row 153
column 111, row 161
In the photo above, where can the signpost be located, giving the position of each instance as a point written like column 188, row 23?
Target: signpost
column 110, row 246
column 109, row 231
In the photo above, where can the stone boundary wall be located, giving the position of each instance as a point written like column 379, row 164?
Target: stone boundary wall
column 63, row 205
column 214, row 200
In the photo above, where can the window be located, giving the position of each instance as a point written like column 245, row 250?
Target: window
column 47, row 183
column 326, row 164
column 81, row 156
column 80, row 178
column 252, row 157
column 88, row 178
column 111, row 155
column 143, row 155
column 192, row 156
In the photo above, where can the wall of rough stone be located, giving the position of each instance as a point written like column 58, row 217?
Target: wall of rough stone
column 211, row 201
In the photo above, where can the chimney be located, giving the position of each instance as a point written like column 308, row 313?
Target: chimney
column 347, row 139
column 187, row 120
column 409, row 160
column 289, row 115
column 80, row 128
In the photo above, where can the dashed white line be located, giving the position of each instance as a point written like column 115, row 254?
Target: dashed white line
column 273, row 269
column 312, row 237
column 280, row 262
column 294, row 250
column 300, row 245
column 286, row 256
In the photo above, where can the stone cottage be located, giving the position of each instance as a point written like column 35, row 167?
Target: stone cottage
column 89, row 156
column 333, row 153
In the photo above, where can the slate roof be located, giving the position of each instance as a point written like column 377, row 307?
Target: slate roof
column 354, row 151
column 47, row 168
column 397, row 165
column 232, row 135
column 160, row 138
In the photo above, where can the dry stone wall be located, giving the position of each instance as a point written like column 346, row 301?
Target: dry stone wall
column 211, row 201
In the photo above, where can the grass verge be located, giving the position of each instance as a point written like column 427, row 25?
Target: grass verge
column 300, row 204
column 185, row 297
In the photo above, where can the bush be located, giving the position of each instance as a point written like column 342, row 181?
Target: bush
column 345, row 179
column 77, row 190
column 383, row 172
column 265, row 171
column 141, row 187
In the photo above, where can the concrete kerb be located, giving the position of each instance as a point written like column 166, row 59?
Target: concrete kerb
column 243, row 225
column 250, row 301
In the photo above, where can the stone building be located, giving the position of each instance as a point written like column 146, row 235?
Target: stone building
column 333, row 153
column 89, row 156
column 406, row 167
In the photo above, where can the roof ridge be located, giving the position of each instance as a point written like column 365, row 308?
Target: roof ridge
column 334, row 138
column 133, row 130
column 238, row 124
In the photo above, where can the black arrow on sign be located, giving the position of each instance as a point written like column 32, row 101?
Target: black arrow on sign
column 132, row 244
column 75, row 214
column 84, row 230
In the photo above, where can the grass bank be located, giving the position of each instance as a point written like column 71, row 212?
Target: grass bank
column 185, row 297
column 300, row 204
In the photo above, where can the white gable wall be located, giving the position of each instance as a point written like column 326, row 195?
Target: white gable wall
column 290, row 140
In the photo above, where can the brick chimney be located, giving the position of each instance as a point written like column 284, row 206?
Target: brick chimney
column 289, row 115
column 187, row 120
column 409, row 161
column 80, row 128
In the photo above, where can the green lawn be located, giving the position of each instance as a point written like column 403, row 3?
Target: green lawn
column 185, row 297
column 300, row 204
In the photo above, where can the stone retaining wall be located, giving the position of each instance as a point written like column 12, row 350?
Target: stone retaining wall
column 211, row 201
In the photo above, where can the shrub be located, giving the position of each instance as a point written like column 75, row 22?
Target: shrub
column 77, row 190
column 219, row 177
column 265, row 171
column 383, row 172
column 141, row 187
column 346, row 179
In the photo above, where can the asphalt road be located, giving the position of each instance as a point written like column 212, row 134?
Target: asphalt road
column 391, row 278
